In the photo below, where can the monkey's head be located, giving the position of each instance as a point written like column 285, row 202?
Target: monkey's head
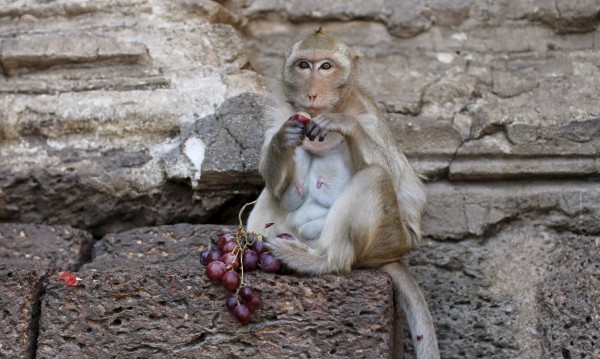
column 319, row 73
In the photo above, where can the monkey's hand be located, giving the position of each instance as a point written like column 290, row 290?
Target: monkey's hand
column 344, row 124
column 291, row 134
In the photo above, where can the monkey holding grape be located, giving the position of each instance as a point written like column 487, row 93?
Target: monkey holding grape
column 338, row 183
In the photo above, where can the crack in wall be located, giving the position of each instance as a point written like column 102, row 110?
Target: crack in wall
column 33, row 329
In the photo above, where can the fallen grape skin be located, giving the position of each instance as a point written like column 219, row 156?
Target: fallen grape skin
column 215, row 270
column 242, row 313
column 231, row 280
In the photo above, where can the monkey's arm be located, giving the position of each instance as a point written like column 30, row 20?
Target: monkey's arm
column 371, row 143
column 365, row 146
column 277, row 164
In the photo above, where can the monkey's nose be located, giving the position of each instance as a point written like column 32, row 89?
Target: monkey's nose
column 312, row 98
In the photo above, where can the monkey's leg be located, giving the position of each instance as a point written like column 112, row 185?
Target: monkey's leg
column 364, row 212
column 264, row 211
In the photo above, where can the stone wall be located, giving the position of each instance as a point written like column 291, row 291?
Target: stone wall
column 116, row 115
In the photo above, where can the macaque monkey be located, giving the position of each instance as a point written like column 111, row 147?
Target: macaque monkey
column 338, row 185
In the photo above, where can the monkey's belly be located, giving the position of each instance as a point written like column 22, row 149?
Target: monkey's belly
column 315, row 189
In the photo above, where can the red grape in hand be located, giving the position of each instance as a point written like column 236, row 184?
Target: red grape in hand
column 301, row 117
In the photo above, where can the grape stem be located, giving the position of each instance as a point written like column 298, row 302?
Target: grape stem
column 241, row 250
column 242, row 211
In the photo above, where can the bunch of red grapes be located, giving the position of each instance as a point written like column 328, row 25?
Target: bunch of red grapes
column 244, row 251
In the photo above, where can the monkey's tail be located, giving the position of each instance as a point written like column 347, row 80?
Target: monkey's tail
column 413, row 303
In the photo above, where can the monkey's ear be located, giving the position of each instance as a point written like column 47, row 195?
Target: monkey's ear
column 355, row 55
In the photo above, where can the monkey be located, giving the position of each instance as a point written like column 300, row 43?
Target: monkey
column 339, row 187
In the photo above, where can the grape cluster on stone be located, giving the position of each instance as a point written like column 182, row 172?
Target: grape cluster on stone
column 226, row 264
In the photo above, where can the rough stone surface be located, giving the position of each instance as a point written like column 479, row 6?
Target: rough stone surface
column 49, row 248
column 28, row 255
column 570, row 299
column 180, row 243
column 518, row 293
column 175, row 310
column 144, row 294
column 19, row 294
column 476, row 209
column 99, row 103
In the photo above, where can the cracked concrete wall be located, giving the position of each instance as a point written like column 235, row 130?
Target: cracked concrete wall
column 122, row 114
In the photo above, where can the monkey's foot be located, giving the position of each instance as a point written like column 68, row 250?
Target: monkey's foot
column 295, row 254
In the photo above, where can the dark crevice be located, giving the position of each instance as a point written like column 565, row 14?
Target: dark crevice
column 3, row 70
column 85, row 252
column 229, row 211
column 36, row 313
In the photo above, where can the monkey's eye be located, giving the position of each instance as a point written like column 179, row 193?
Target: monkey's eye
column 303, row 65
column 326, row 66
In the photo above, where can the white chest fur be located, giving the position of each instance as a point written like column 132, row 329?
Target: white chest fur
column 322, row 171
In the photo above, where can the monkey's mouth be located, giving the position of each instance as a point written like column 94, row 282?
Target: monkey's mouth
column 314, row 111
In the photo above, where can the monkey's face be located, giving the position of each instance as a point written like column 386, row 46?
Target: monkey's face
column 314, row 80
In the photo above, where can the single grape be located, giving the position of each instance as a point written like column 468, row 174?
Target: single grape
column 269, row 263
column 208, row 256
column 229, row 247
column 253, row 302
column 215, row 270
column 242, row 313
column 302, row 117
column 246, row 291
column 224, row 238
column 231, row 280
column 214, row 255
column 204, row 257
column 232, row 301
column 250, row 297
column 259, row 247
column 250, row 259
column 231, row 261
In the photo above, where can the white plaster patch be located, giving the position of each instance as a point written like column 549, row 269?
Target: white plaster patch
column 459, row 36
column 194, row 148
column 57, row 145
column 444, row 57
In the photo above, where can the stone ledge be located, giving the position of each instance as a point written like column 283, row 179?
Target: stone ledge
column 472, row 209
column 49, row 248
column 143, row 293
column 173, row 310
column 44, row 51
